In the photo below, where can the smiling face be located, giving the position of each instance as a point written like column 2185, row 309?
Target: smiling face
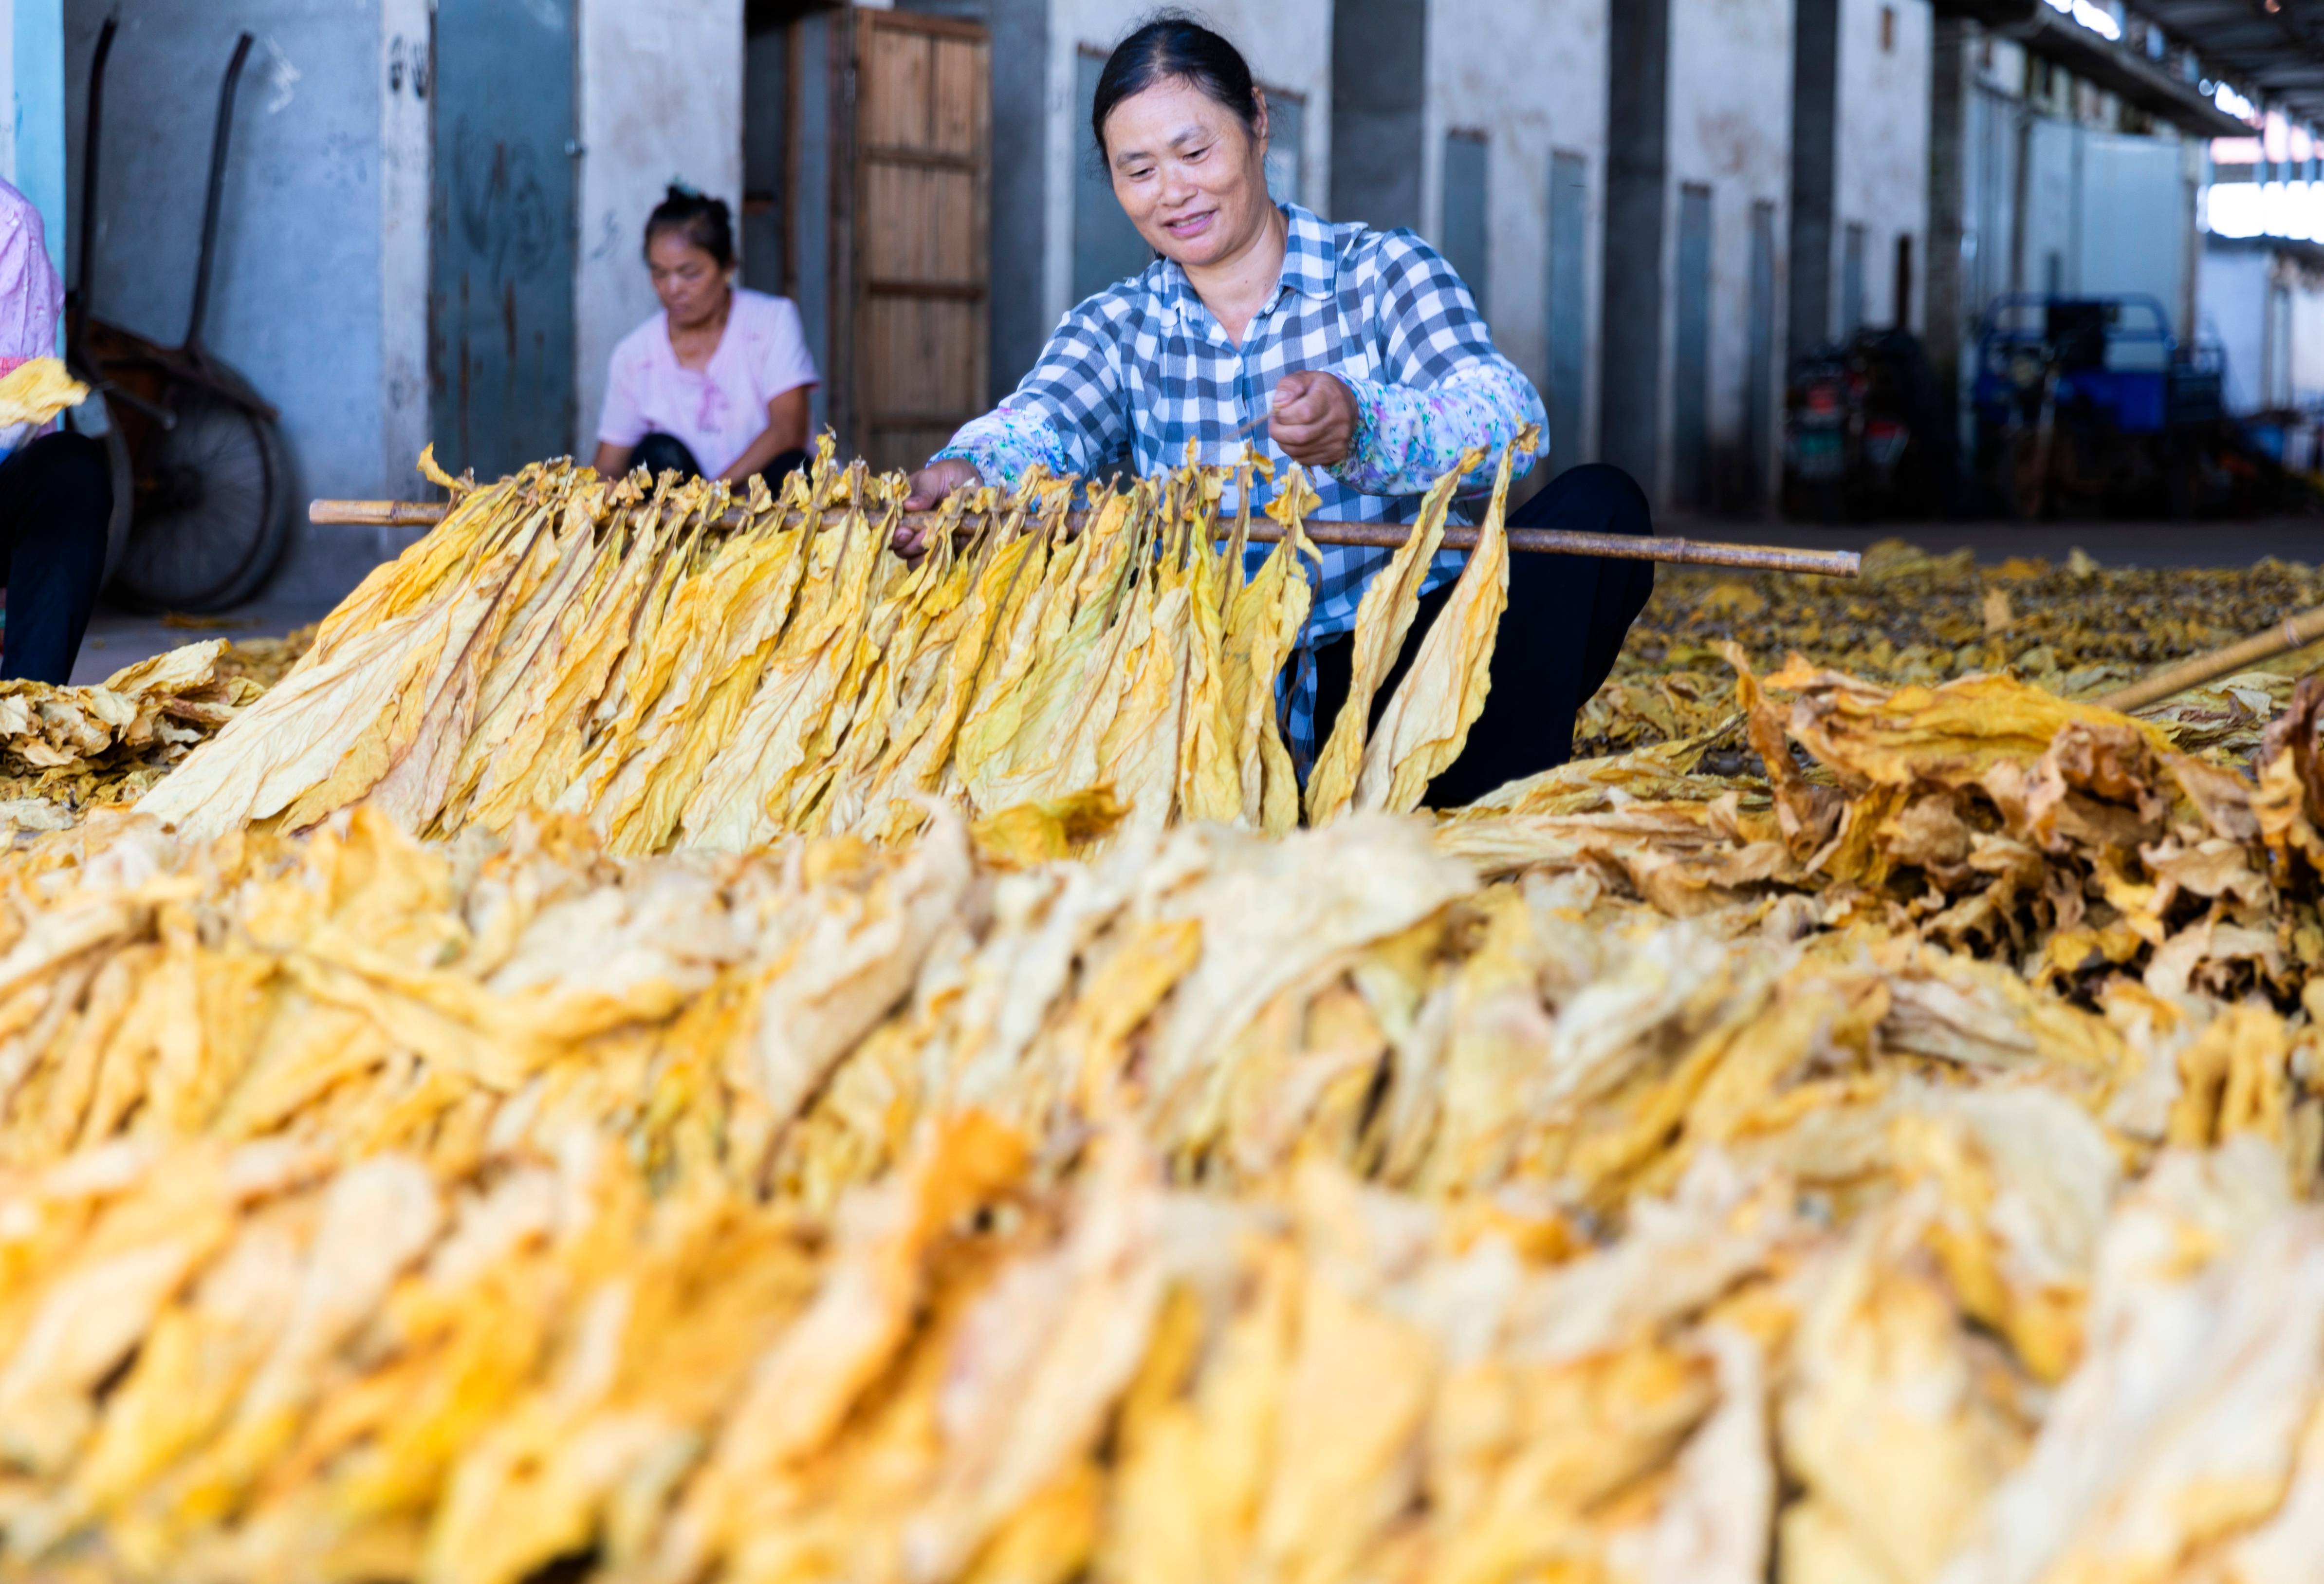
column 1192, row 178
column 689, row 281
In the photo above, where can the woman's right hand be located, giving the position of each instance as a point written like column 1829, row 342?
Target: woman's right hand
column 929, row 487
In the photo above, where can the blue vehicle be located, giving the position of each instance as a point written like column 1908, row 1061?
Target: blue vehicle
column 2091, row 406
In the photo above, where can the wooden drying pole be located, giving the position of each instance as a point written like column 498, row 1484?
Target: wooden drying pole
column 1693, row 553
column 2294, row 632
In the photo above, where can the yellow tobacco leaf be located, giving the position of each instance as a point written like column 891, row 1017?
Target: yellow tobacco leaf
column 1383, row 617
column 1426, row 723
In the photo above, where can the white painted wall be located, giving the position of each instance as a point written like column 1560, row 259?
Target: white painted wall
column 1531, row 74
column 1730, row 127
column 1881, row 181
column 661, row 97
column 406, row 165
column 2268, row 365
column 1288, row 43
column 2302, row 383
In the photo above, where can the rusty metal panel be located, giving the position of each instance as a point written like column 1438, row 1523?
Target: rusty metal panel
column 499, row 300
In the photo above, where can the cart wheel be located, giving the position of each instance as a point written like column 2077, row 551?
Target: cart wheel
column 94, row 419
column 210, row 523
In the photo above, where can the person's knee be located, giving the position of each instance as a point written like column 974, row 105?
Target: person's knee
column 71, row 477
column 1606, row 491
column 75, row 461
column 660, row 453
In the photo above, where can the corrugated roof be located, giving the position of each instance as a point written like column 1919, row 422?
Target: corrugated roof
column 2280, row 53
column 2114, row 67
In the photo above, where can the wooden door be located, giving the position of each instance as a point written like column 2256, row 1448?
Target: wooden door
column 912, row 224
column 500, row 299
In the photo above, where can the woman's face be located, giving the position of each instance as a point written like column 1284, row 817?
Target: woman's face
column 1192, row 178
column 687, row 279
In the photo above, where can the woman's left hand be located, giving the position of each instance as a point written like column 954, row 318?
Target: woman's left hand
column 1315, row 419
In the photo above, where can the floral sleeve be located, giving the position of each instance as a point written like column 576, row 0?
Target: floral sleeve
column 1407, row 436
column 1445, row 388
column 1068, row 414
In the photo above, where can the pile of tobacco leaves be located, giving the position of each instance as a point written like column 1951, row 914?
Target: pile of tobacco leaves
column 2076, row 628
column 1865, row 1127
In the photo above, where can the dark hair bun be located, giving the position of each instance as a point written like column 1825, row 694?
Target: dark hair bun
column 703, row 220
column 1170, row 46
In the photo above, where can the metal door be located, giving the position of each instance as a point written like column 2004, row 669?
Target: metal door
column 1851, row 283
column 1759, row 356
column 1988, row 203
column 1691, row 362
column 1569, row 306
column 1286, row 143
column 499, row 297
column 2133, row 201
column 1467, row 238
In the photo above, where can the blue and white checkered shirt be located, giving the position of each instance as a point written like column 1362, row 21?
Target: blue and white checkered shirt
column 1142, row 367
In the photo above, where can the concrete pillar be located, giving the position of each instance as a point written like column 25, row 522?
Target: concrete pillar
column 1816, row 118
column 1638, row 172
column 1379, row 87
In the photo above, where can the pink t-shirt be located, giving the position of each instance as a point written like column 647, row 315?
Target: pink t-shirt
column 717, row 410
column 31, row 297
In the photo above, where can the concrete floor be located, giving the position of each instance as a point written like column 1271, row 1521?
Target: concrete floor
column 2119, row 544
column 116, row 637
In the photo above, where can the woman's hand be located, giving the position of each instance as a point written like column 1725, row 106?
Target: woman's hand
column 1315, row 419
column 929, row 487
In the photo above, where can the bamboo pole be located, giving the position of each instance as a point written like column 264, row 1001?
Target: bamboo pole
column 2294, row 632
column 1693, row 552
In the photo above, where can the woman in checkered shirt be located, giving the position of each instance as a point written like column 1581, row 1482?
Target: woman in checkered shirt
column 1371, row 365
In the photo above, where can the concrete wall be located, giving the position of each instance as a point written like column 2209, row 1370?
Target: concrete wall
column 1881, row 180
column 1288, row 43
column 1730, row 131
column 661, row 97
column 297, row 298
column 1549, row 95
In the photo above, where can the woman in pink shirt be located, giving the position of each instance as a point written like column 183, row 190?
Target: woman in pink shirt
column 56, row 491
column 715, row 385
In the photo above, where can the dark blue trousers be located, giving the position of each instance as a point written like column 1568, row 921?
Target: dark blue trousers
column 56, row 497
column 1566, row 619
column 659, row 453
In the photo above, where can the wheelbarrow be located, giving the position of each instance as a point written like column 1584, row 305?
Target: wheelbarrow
column 201, row 489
